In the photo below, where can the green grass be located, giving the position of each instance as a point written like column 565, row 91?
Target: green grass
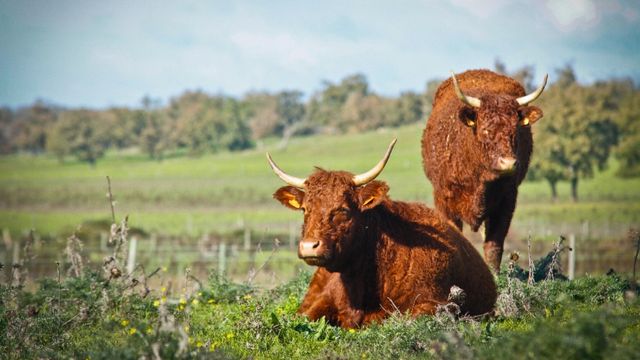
column 213, row 193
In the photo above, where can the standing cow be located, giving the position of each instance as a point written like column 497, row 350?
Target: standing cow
column 375, row 255
column 476, row 149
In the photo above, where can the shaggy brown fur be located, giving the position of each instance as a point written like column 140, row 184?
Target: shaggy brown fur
column 460, row 148
column 375, row 255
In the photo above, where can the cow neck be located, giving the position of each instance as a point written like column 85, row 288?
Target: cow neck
column 360, row 279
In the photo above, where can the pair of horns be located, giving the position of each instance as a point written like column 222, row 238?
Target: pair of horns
column 359, row 179
column 475, row 102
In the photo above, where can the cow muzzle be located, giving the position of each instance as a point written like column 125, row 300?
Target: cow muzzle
column 310, row 249
column 505, row 165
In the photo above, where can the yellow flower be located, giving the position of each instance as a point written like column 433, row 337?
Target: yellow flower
column 180, row 307
column 213, row 346
column 156, row 303
column 163, row 299
column 230, row 336
column 183, row 300
column 163, row 289
column 247, row 297
column 164, row 269
column 190, row 340
column 186, row 328
column 211, row 301
column 352, row 331
column 132, row 331
column 149, row 330
column 200, row 293
column 195, row 302
column 124, row 322
column 199, row 344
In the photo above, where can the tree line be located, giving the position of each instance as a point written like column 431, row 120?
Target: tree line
column 583, row 124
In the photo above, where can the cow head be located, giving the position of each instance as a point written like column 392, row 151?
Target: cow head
column 335, row 205
column 496, row 120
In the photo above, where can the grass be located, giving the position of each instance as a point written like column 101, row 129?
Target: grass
column 214, row 193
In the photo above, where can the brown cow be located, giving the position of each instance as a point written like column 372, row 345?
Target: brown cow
column 375, row 255
column 476, row 149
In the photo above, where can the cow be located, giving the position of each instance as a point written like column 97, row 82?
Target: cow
column 376, row 256
column 476, row 148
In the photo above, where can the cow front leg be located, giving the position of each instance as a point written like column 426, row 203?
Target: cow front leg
column 496, row 228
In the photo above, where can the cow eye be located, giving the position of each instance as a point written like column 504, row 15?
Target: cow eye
column 342, row 213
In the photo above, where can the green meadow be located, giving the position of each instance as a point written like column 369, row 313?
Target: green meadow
column 218, row 193
column 184, row 195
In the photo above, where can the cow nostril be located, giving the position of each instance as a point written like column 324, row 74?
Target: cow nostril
column 316, row 244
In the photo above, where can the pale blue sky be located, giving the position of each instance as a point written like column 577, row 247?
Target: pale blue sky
column 103, row 53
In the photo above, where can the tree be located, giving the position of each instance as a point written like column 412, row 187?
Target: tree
column 81, row 133
column 32, row 124
column 576, row 135
column 290, row 110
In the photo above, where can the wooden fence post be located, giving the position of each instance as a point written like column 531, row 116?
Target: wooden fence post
column 572, row 257
column 131, row 261
column 222, row 258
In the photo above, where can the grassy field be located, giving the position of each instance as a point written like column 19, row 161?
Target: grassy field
column 216, row 193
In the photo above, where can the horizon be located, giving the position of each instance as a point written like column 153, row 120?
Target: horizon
column 116, row 53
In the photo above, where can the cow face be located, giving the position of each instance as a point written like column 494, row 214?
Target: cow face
column 497, row 120
column 335, row 206
column 496, row 124
column 335, row 211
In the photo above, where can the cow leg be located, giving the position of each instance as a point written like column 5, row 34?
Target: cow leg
column 496, row 228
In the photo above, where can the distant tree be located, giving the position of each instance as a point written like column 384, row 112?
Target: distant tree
column 81, row 133
column 628, row 121
column 32, row 124
column 262, row 114
column 409, row 109
column 153, row 139
column 325, row 108
column 290, row 110
column 6, row 129
column 576, row 134
column 429, row 95
column 204, row 123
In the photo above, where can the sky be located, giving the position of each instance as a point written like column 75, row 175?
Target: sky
column 112, row 53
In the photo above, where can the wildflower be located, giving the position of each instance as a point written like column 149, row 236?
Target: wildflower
column 124, row 322
column 163, row 289
column 186, row 328
column 183, row 301
column 211, row 301
column 190, row 340
column 164, row 269
column 352, row 331
column 247, row 297
column 132, row 331
column 149, row 330
column 213, row 346
column 163, row 299
column 156, row 303
column 199, row 344
column 195, row 302
column 199, row 293
column 180, row 307
column 230, row 336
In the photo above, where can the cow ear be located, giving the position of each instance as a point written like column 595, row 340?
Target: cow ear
column 371, row 195
column 529, row 115
column 290, row 197
column 468, row 116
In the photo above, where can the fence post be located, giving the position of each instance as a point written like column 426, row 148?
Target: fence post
column 6, row 238
column 572, row 257
column 222, row 258
column 131, row 261
column 247, row 238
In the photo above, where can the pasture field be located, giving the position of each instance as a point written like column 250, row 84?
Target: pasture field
column 215, row 193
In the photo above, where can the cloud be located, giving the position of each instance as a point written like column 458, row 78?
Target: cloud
column 482, row 9
column 569, row 15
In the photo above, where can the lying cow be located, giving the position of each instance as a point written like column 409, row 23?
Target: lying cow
column 375, row 255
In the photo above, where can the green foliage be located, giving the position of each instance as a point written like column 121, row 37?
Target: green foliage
column 89, row 316
column 80, row 133
column 576, row 134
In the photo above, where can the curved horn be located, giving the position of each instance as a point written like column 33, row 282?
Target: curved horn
column 534, row 95
column 364, row 178
column 469, row 100
column 291, row 180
